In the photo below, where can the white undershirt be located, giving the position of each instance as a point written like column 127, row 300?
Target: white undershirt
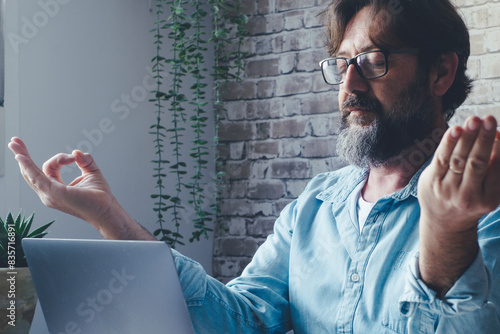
column 363, row 209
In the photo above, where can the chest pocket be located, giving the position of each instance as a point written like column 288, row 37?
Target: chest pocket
column 395, row 323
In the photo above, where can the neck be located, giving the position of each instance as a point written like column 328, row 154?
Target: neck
column 396, row 173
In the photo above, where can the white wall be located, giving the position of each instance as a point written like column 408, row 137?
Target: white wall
column 76, row 73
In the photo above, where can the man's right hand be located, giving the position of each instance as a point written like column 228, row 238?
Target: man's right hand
column 87, row 197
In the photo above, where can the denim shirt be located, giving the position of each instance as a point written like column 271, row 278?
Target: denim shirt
column 318, row 273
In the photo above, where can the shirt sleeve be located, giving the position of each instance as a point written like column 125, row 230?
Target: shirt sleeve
column 255, row 302
column 468, row 294
column 472, row 304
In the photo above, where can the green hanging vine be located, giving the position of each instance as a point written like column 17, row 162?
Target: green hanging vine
column 222, row 68
column 187, row 59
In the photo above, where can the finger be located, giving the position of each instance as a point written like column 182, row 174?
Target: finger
column 461, row 152
column 17, row 146
column 52, row 167
column 492, row 179
column 479, row 156
column 32, row 174
column 85, row 162
column 441, row 161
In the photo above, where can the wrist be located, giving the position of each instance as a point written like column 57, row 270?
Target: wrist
column 445, row 254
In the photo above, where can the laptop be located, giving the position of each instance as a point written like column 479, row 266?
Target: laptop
column 107, row 287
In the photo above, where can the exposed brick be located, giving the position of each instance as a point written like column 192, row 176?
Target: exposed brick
column 319, row 148
column 259, row 169
column 257, row 25
column 267, row 189
column 309, row 61
column 290, row 169
column 236, row 131
column 238, row 189
column 263, row 45
column 294, row 20
column 476, row 17
column 224, row 151
column 235, row 110
column 276, row 109
column 295, row 187
column 481, row 92
column 325, row 125
column 237, row 226
column 263, row 7
column 237, row 150
column 296, row 84
column 495, row 86
column 261, row 227
column 289, row 128
column 477, row 43
column 493, row 14
column 287, row 63
column 275, row 23
column 259, row 109
column 474, row 67
column 490, row 67
column 280, row 205
column 493, row 39
column 248, row 7
column 237, row 170
column 237, row 246
column 319, row 104
column 319, row 84
column 284, row 5
column 263, row 149
column 266, row 88
column 312, row 20
column 290, row 148
column 237, row 91
column 229, row 267
column 283, row 95
column 322, row 4
column 263, row 68
column 292, row 41
column 262, row 131
column 291, row 106
column 325, row 165
column 247, row 208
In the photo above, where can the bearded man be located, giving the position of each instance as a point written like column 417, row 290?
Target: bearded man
column 405, row 240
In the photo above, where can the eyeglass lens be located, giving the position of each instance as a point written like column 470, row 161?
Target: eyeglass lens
column 371, row 64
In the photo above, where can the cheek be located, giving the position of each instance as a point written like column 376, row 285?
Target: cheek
column 342, row 95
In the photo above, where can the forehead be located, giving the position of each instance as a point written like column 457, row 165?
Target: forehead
column 356, row 37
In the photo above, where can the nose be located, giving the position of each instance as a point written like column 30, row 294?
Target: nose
column 353, row 82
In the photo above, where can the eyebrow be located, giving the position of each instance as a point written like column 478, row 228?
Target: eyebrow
column 363, row 49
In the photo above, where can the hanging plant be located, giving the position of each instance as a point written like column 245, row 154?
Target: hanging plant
column 187, row 38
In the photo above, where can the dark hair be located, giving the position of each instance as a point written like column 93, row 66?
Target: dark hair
column 433, row 26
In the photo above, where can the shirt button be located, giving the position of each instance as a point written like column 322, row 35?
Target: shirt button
column 355, row 277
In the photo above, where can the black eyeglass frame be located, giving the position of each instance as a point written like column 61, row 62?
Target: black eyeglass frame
column 354, row 62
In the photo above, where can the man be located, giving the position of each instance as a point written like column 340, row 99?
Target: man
column 382, row 246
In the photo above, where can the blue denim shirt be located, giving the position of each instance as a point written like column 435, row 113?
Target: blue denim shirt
column 318, row 273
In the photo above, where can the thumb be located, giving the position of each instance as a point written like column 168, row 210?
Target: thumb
column 85, row 162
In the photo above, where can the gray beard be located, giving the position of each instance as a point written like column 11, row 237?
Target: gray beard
column 390, row 133
column 354, row 144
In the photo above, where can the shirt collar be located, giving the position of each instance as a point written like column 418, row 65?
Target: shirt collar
column 350, row 178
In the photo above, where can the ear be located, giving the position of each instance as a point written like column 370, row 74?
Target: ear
column 444, row 73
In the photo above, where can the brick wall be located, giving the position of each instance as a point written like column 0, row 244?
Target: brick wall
column 483, row 19
column 281, row 123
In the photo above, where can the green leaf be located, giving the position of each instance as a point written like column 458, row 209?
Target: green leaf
column 39, row 232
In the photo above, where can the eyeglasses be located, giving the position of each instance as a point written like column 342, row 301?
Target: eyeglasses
column 370, row 65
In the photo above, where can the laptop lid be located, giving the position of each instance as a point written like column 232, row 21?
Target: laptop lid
column 103, row 286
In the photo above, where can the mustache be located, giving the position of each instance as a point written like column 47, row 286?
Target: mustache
column 357, row 101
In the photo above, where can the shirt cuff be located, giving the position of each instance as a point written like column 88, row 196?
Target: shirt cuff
column 469, row 293
column 192, row 277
